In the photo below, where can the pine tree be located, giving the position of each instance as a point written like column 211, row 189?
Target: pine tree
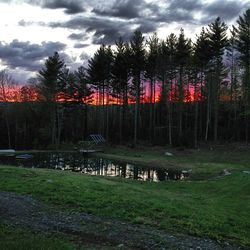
column 183, row 50
column 218, row 41
column 171, row 43
column 167, row 74
column 201, row 57
column 120, row 76
column 50, row 84
column 151, row 74
column 232, row 63
column 99, row 73
column 137, row 66
column 5, row 82
column 50, row 78
column 83, row 94
column 243, row 45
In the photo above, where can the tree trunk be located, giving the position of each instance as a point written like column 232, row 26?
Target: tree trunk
column 8, row 128
column 247, row 104
column 151, row 112
column 107, row 115
column 196, row 115
column 216, row 100
column 120, row 105
column 137, row 106
column 85, row 123
column 53, row 124
column 103, row 109
column 180, row 100
column 208, row 111
column 215, row 117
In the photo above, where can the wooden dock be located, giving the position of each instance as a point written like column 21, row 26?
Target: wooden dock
column 89, row 151
column 93, row 145
column 7, row 152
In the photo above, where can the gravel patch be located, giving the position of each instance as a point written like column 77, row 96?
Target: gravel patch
column 23, row 210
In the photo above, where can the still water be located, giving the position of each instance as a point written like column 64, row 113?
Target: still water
column 77, row 162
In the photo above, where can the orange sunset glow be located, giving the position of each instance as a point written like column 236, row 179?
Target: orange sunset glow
column 31, row 94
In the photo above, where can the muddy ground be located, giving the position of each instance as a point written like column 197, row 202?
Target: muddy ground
column 23, row 210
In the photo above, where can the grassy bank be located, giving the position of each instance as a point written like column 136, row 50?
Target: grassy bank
column 205, row 162
column 214, row 208
column 23, row 239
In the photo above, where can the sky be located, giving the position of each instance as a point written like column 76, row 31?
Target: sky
column 32, row 30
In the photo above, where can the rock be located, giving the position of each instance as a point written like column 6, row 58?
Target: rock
column 168, row 154
column 246, row 172
column 226, row 172
column 49, row 181
column 120, row 246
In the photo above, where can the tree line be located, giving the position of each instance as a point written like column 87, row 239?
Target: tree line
column 198, row 91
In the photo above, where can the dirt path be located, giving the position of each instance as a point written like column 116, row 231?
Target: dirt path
column 16, row 209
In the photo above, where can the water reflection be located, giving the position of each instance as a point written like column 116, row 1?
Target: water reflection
column 76, row 162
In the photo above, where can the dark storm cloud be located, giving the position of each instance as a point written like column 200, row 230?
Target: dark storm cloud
column 106, row 21
column 149, row 16
column 81, row 45
column 173, row 16
column 103, row 30
column 128, row 9
column 77, row 36
column 147, row 26
column 188, row 5
column 26, row 55
column 84, row 56
column 171, row 10
column 110, row 35
column 227, row 10
column 122, row 8
column 181, row 11
column 70, row 7
column 184, row 10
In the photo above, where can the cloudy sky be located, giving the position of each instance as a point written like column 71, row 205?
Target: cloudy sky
column 32, row 30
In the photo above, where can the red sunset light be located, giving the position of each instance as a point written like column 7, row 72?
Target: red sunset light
column 31, row 94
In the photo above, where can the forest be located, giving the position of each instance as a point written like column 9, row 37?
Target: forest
column 143, row 91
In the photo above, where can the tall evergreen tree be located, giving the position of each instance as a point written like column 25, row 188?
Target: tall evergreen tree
column 138, row 66
column 171, row 44
column 243, row 45
column 232, row 63
column 83, row 94
column 151, row 74
column 50, row 84
column 218, row 41
column 183, row 50
column 201, row 58
column 50, row 78
column 99, row 72
column 5, row 82
column 120, row 85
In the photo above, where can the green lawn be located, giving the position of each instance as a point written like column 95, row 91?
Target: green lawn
column 204, row 163
column 216, row 208
column 23, row 239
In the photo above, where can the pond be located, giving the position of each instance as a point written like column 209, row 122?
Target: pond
column 78, row 162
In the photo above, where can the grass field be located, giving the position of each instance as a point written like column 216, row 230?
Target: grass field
column 23, row 239
column 205, row 163
column 217, row 208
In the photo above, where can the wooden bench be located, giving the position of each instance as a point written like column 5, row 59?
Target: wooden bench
column 94, row 144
